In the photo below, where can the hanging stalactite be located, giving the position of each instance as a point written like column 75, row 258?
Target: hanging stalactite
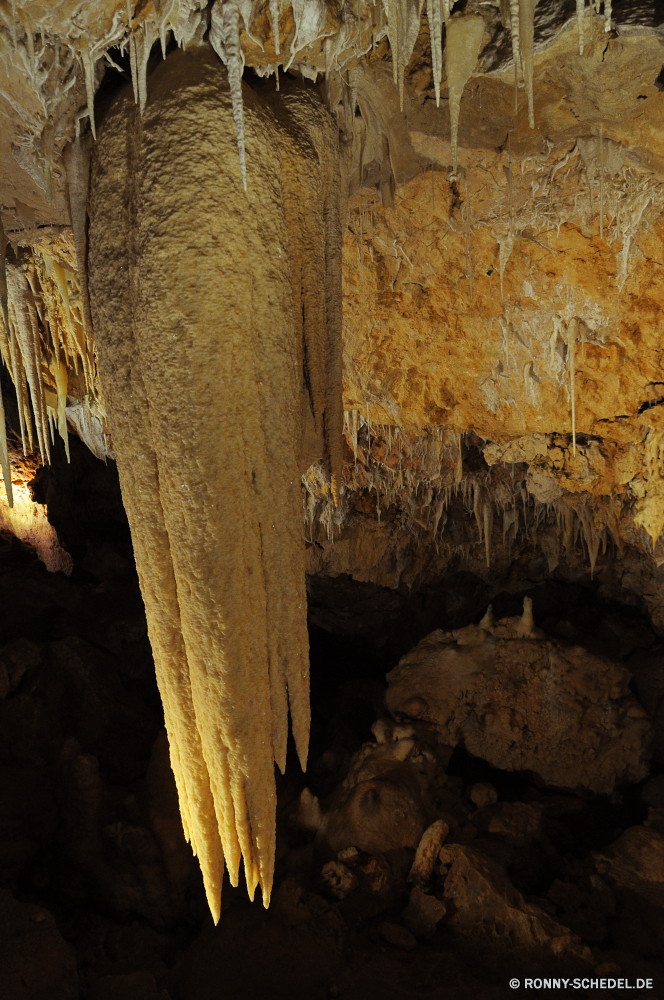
column 219, row 399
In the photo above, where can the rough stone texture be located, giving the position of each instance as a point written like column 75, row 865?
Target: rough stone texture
column 486, row 905
column 423, row 914
column 483, row 794
column 339, row 879
column 36, row 963
column 517, row 823
column 636, row 862
column 528, row 704
column 381, row 804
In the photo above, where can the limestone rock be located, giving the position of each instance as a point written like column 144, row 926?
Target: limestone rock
column 423, row 913
column 529, row 705
column 636, row 862
column 517, row 823
column 427, row 852
column 381, row 804
column 485, row 905
column 483, row 794
column 339, row 879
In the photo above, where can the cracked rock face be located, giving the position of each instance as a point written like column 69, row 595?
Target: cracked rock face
column 527, row 704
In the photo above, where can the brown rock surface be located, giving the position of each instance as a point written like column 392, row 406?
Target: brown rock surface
column 381, row 804
column 636, row 862
column 485, row 904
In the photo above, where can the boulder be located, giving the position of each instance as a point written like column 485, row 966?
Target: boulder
column 382, row 804
column 423, row 914
column 636, row 862
column 525, row 703
column 483, row 794
column 482, row 903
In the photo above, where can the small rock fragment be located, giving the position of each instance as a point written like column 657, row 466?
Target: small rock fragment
column 427, row 852
column 483, row 794
column 349, row 856
column 377, row 875
column 397, row 936
column 307, row 814
column 339, row 879
column 423, row 913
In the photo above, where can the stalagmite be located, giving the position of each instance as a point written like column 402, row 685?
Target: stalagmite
column 487, row 621
column 216, row 399
column 462, row 46
column 527, row 45
column 607, row 15
column 527, row 620
column 225, row 40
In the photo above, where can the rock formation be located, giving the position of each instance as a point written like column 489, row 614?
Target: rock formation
column 526, row 704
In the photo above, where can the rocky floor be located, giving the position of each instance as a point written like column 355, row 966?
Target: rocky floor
column 101, row 899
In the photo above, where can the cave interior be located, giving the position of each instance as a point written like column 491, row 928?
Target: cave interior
column 332, row 513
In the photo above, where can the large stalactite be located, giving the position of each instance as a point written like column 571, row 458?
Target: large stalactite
column 217, row 322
